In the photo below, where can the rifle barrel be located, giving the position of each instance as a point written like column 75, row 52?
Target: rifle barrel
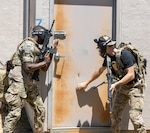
column 52, row 25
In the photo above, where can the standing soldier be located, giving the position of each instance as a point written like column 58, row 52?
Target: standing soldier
column 129, row 88
column 22, row 85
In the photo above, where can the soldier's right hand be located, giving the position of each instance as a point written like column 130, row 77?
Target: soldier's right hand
column 81, row 86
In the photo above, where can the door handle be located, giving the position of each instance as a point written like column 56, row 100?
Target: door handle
column 59, row 65
column 57, row 56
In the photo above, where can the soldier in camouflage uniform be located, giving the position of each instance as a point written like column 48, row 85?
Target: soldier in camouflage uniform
column 128, row 89
column 22, row 86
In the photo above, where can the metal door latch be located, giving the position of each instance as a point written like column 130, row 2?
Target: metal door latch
column 60, row 34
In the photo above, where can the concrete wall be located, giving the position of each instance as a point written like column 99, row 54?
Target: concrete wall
column 133, row 25
column 11, row 27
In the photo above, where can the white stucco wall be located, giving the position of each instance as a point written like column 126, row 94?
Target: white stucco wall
column 133, row 25
column 11, row 27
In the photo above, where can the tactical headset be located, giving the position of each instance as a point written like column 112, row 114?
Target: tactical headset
column 40, row 32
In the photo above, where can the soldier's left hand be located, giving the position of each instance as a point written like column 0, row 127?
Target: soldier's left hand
column 112, row 88
column 55, row 44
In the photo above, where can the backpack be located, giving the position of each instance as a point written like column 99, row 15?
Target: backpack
column 140, row 60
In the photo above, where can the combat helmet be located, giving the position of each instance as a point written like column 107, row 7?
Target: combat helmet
column 102, row 42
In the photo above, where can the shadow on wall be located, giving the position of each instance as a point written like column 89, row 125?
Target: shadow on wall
column 43, row 88
column 100, row 114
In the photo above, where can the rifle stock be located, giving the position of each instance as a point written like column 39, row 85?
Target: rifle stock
column 109, row 79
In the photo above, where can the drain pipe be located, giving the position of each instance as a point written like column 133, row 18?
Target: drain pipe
column 118, row 21
column 50, row 72
column 26, row 34
column 25, row 18
column 114, row 12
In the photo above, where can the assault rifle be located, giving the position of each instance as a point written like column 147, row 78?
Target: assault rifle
column 44, row 50
column 109, row 79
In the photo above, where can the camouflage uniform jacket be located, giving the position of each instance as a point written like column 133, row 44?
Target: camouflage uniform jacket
column 27, row 51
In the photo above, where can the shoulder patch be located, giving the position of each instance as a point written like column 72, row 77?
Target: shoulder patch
column 28, row 47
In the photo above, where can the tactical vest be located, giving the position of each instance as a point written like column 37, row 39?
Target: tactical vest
column 139, row 66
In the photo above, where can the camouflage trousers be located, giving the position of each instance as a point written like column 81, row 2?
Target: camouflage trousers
column 135, row 98
column 16, row 102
